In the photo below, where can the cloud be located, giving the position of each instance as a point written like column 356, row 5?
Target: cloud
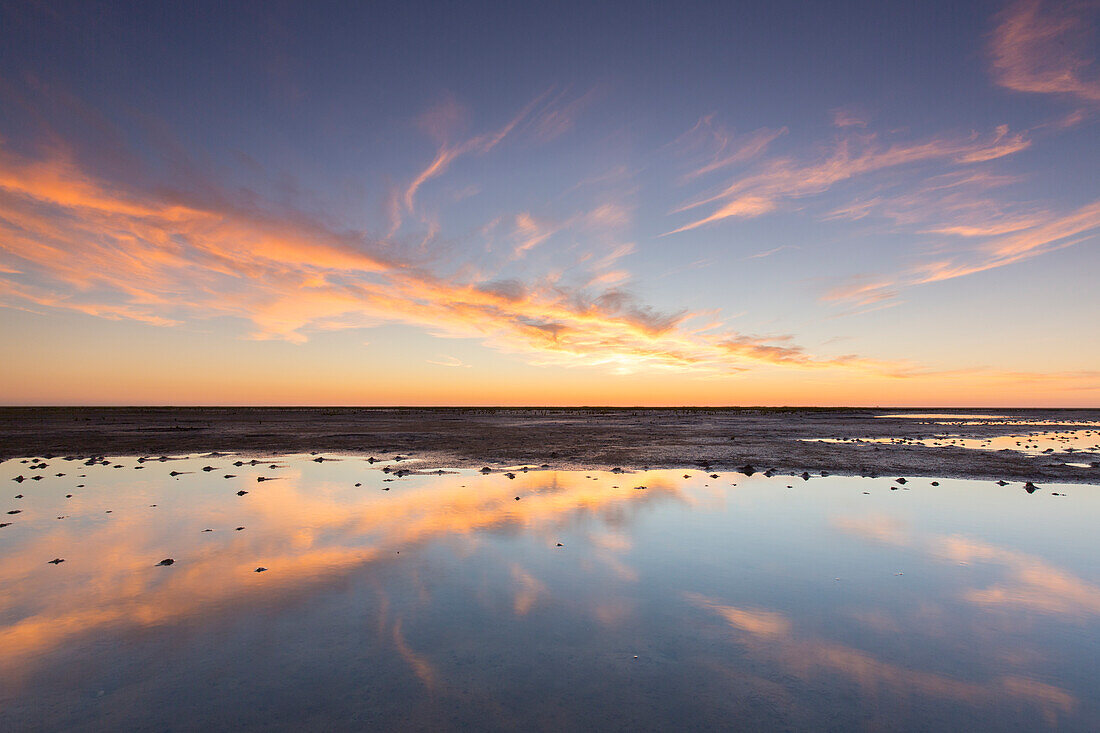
column 719, row 148
column 449, row 361
column 770, row 252
column 72, row 241
column 784, row 179
column 438, row 123
column 1007, row 242
column 544, row 118
column 1043, row 47
column 847, row 117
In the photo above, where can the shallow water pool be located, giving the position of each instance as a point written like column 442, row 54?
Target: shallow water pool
column 538, row 599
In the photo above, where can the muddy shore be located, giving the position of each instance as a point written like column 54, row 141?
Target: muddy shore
column 718, row 439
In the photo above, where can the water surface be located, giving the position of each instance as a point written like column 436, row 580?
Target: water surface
column 619, row 600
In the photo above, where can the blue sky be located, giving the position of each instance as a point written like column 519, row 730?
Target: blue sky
column 865, row 203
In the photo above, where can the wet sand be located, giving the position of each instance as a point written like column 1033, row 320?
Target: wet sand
column 785, row 440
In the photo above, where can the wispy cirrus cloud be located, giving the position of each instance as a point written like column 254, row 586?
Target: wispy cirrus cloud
column 712, row 147
column 544, row 118
column 1045, row 47
column 1001, row 243
column 779, row 180
column 449, row 361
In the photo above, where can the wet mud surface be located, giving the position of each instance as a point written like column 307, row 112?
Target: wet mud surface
column 782, row 440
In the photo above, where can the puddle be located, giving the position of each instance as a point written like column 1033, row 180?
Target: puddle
column 572, row 599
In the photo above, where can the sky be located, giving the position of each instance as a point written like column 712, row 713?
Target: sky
column 636, row 203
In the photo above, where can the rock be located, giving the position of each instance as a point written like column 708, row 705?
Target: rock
column 510, row 475
column 165, row 562
column 230, row 475
column 805, row 476
column 935, row 483
column 238, row 529
column 56, row 561
column 242, row 492
column 259, row 570
column 560, row 545
column 5, row 524
column 901, row 480
column 18, row 496
column 486, row 469
column 1030, row 487
column 517, row 498
column 15, row 511
column 1002, row 483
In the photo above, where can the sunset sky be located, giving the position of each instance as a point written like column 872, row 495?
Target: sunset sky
column 852, row 203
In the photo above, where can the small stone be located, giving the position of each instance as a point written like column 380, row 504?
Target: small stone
column 165, row 562
column 56, row 561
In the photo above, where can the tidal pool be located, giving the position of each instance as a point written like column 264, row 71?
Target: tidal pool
column 539, row 599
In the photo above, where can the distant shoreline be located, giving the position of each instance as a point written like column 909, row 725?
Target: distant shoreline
column 568, row 438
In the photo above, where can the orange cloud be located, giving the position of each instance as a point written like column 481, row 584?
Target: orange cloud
column 72, row 241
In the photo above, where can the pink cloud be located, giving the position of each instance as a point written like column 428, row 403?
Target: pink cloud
column 1043, row 47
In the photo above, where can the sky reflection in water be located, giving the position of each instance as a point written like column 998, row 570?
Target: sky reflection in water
column 445, row 602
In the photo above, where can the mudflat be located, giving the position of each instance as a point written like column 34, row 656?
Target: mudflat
column 987, row 444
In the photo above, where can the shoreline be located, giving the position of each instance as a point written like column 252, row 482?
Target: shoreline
column 718, row 439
